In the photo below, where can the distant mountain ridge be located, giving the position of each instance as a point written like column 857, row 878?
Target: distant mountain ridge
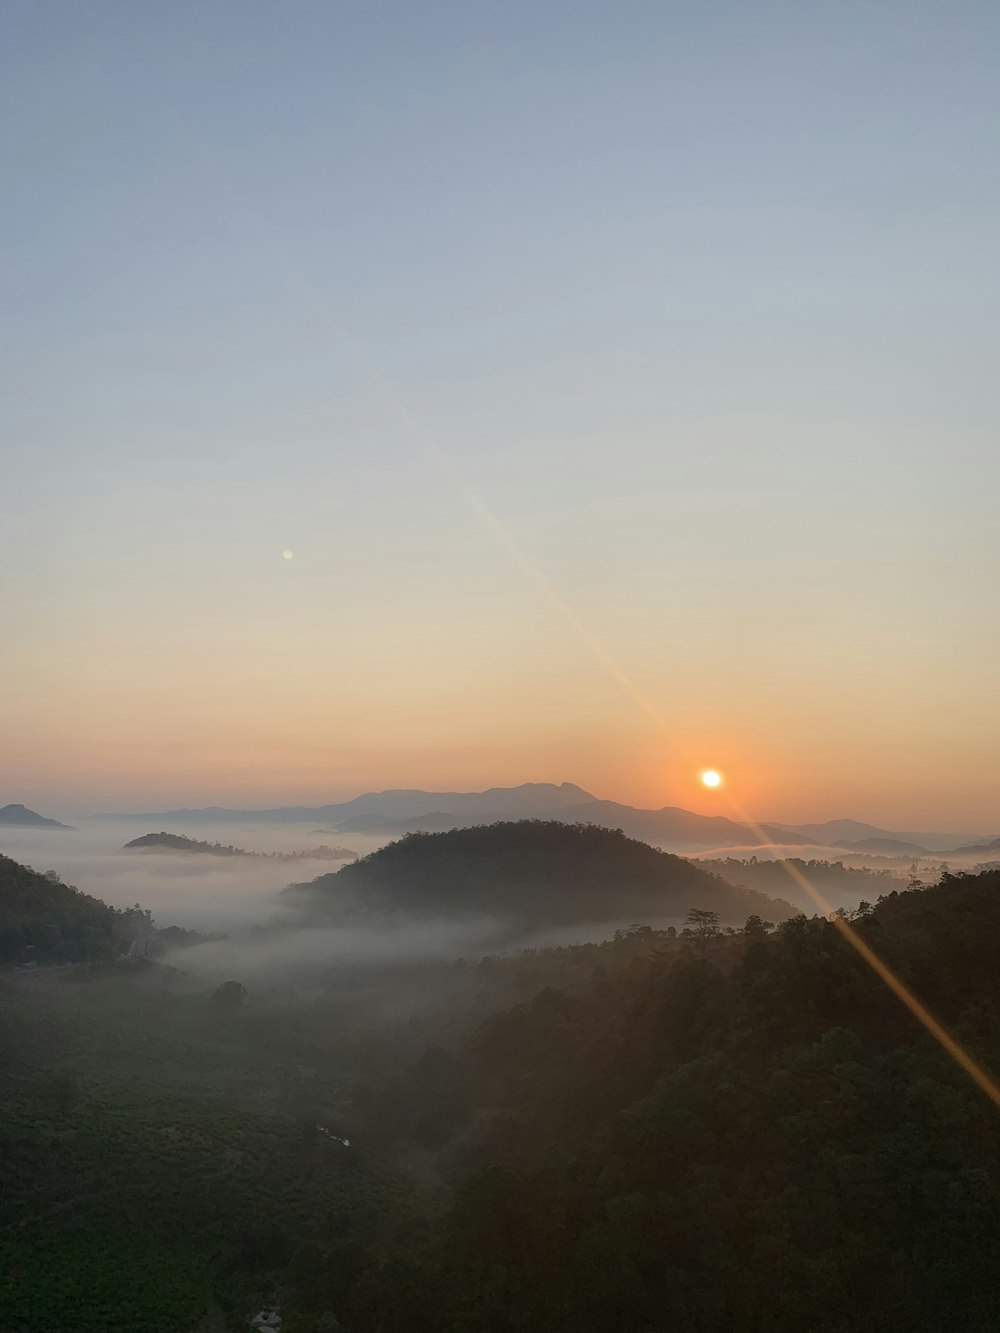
column 394, row 813
column 853, row 834
column 992, row 846
column 680, row 830
column 884, row 847
column 19, row 816
column 526, row 801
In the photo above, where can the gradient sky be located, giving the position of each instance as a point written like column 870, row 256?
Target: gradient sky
column 622, row 377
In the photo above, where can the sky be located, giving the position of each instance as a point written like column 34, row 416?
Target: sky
column 619, row 379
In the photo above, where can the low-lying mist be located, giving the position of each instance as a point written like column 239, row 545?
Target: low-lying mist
column 268, row 940
column 193, row 890
column 308, row 952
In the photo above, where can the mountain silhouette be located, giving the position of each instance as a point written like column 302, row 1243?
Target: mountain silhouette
column 884, row 847
column 532, row 873
column 393, row 813
column 19, row 816
column 678, row 830
column 850, row 832
column 529, row 800
column 992, row 846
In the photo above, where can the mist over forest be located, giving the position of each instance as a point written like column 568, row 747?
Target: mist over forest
column 499, row 707
column 483, row 1078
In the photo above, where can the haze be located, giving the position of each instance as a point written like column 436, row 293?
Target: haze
column 616, row 376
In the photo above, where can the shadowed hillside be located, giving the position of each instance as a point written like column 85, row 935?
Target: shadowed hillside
column 842, row 886
column 756, row 1135
column 536, row 874
column 44, row 920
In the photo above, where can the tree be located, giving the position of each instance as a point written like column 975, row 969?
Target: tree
column 229, row 996
column 756, row 929
column 703, row 925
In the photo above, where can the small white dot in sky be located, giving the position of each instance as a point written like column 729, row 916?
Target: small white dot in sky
column 287, row 555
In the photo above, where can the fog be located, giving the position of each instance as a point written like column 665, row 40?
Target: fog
column 196, row 891
column 233, row 895
column 310, row 950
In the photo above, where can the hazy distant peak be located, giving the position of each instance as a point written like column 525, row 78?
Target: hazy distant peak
column 884, row 846
column 525, row 801
column 21, row 816
column 527, row 798
column 993, row 845
column 841, row 832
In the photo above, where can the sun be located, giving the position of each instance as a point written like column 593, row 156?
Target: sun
column 710, row 778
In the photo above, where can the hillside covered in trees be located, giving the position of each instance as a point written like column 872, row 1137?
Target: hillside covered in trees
column 698, row 1127
column 178, row 842
column 534, row 873
column 840, row 884
column 45, row 921
column 757, row 1136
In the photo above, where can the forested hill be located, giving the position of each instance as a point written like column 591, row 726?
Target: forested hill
column 177, row 842
column 43, row 920
column 535, row 873
column 772, row 1144
column 841, row 885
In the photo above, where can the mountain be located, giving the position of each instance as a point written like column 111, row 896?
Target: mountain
column 992, row 846
column 533, row 874
column 176, row 842
column 884, row 847
column 391, row 814
column 844, row 832
column 683, row 830
column 44, row 920
column 19, row 816
column 678, row 830
column 710, row 1142
column 527, row 801
column 841, row 885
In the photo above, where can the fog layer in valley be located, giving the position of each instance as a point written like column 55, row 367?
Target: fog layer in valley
column 196, row 891
column 236, row 896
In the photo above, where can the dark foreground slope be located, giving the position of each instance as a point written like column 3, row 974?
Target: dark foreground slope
column 43, row 920
column 761, row 1138
column 534, row 874
column 740, row 1131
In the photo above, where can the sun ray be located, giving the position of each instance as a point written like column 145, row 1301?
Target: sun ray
column 983, row 1080
column 558, row 602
